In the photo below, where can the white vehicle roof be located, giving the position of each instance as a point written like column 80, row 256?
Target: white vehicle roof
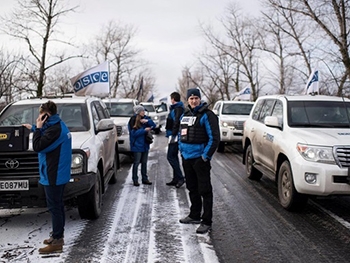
column 305, row 97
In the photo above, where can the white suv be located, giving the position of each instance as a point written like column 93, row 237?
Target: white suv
column 157, row 114
column 232, row 115
column 301, row 142
column 95, row 156
column 121, row 110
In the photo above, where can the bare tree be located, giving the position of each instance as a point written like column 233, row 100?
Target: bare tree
column 115, row 44
column 332, row 17
column 36, row 23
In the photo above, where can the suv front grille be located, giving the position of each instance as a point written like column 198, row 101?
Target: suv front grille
column 342, row 156
column 237, row 124
column 19, row 164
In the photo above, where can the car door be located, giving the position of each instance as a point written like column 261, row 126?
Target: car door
column 259, row 131
column 107, row 137
column 272, row 137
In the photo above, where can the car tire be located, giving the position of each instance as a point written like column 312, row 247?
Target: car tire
column 113, row 179
column 251, row 171
column 89, row 204
column 221, row 147
column 288, row 196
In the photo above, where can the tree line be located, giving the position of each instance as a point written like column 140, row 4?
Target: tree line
column 272, row 52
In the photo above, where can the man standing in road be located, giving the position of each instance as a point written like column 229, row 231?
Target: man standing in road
column 52, row 140
column 172, row 132
column 199, row 138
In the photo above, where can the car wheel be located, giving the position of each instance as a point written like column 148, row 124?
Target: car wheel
column 288, row 196
column 221, row 147
column 89, row 204
column 251, row 171
column 113, row 179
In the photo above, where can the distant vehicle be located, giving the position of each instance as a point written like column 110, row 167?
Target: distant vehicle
column 95, row 157
column 232, row 115
column 158, row 113
column 301, row 142
column 121, row 110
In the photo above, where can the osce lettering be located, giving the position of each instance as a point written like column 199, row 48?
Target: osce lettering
column 90, row 79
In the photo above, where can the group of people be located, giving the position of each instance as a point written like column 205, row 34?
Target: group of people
column 194, row 131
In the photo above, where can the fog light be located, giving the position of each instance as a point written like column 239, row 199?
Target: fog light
column 310, row 178
column 224, row 133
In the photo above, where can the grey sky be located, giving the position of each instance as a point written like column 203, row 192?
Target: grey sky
column 168, row 31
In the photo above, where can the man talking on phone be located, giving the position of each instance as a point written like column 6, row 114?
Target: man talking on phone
column 52, row 141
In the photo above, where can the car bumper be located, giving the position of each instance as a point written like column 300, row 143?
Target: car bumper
column 229, row 134
column 35, row 196
column 330, row 179
column 124, row 144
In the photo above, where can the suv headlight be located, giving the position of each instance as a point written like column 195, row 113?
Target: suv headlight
column 77, row 163
column 155, row 118
column 315, row 153
column 125, row 130
column 224, row 124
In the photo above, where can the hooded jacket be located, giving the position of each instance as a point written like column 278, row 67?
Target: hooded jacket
column 172, row 126
column 200, row 135
column 53, row 143
column 138, row 136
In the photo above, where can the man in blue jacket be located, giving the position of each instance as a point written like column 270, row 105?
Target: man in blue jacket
column 172, row 128
column 199, row 138
column 52, row 140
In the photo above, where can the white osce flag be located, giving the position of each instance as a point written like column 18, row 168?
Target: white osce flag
column 312, row 83
column 244, row 94
column 94, row 81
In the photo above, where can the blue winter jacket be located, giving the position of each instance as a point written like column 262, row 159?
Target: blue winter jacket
column 208, row 122
column 173, row 120
column 53, row 143
column 138, row 136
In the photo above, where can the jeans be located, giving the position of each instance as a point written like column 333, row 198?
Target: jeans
column 198, row 183
column 140, row 157
column 55, row 204
column 173, row 159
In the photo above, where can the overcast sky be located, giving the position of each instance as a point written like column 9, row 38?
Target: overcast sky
column 168, row 31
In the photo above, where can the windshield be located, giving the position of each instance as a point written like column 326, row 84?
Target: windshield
column 318, row 114
column 120, row 109
column 149, row 108
column 237, row 109
column 75, row 116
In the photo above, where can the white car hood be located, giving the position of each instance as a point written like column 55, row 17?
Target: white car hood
column 233, row 117
column 121, row 121
column 322, row 136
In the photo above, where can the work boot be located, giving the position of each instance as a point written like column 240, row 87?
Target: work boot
column 49, row 241
column 147, row 182
column 173, row 182
column 180, row 183
column 202, row 229
column 189, row 220
column 56, row 246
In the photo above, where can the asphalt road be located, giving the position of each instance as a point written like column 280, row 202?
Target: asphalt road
column 140, row 224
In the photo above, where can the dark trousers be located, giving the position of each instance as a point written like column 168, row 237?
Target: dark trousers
column 197, row 174
column 173, row 159
column 55, row 204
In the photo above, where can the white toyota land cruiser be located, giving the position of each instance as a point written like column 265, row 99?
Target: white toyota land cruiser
column 232, row 115
column 301, row 142
column 94, row 154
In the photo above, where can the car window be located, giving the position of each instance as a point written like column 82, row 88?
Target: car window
column 278, row 112
column 266, row 109
column 318, row 114
column 237, row 109
column 121, row 109
column 257, row 108
column 149, row 107
column 74, row 115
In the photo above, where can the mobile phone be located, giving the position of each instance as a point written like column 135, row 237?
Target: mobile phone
column 44, row 116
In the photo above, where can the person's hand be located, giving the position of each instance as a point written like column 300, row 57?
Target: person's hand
column 27, row 125
column 40, row 121
column 143, row 121
column 148, row 128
